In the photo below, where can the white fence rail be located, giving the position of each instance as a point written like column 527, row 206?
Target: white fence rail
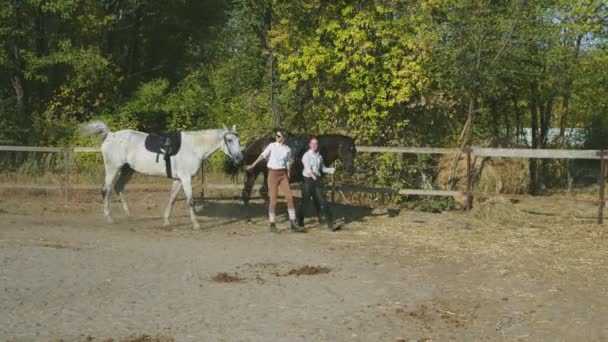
column 471, row 151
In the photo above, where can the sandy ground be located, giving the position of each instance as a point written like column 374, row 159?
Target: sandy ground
column 536, row 274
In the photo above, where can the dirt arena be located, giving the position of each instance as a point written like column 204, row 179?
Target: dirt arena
column 525, row 271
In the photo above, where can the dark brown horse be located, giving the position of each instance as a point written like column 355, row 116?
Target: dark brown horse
column 331, row 146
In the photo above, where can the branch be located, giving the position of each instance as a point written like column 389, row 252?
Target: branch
column 507, row 40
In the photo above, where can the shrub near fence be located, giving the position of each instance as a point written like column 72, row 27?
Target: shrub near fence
column 64, row 156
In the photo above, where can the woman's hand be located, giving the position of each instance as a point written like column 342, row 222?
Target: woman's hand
column 248, row 168
column 329, row 170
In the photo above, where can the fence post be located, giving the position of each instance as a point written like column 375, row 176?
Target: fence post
column 469, row 180
column 66, row 170
column 602, row 185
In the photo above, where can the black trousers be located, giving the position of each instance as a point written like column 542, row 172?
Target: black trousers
column 313, row 189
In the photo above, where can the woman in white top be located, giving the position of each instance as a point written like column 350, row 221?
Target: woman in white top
column 279, row 159
column 312, row 186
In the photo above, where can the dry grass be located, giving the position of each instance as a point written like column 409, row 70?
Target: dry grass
column 504, row 176
column 492, row 175
column 535, row 239
column 499, row 211
column 444, row 167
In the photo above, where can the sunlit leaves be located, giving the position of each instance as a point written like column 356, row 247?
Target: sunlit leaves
column 364, row 60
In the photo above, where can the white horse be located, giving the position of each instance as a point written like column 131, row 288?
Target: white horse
column 124, row 153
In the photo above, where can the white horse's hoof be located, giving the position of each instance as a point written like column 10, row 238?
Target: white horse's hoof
column 109, row 220
column 196, row 227
column 166, row 224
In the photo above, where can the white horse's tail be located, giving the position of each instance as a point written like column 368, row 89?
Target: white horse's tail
column 97, row 127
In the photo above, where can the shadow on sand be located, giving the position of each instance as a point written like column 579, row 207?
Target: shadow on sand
column 234, row 209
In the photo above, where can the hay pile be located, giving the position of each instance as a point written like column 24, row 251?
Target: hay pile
column 491, row 175
column 460, row 179
column 499, row 211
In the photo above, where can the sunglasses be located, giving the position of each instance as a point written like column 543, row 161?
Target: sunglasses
column 279, row 136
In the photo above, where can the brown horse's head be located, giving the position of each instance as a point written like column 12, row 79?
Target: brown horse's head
column 336, row 146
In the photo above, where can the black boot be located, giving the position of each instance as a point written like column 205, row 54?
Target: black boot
column 330, row 225
column 273, row 227
column 329, row 219
column 321, row 220
column 300, row 220
column 295, row 227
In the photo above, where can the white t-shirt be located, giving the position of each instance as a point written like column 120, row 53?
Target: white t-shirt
column 278, row 156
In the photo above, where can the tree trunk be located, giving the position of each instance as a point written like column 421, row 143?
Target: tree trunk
column 465, row 137
column 17, row 82
column 466, row 132
column 545, row 125
column 567, row 93
column 533, row 167
column 276, row 117
column 17, row 79
column 133, row 48
column 274, row 107
column 508, row 134
column 518, row 123
column 563, row 119
column 495, row 121
column 545, row 121
column 41, row 49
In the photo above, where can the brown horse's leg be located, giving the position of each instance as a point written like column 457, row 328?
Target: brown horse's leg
column 246, row 194
column 264, row 188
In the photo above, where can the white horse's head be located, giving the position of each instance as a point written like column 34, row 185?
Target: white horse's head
column 231, row 145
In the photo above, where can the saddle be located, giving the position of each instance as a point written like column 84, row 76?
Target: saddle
column 167, row 144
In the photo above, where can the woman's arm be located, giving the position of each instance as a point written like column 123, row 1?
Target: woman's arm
column 250, row 167
column 264, row 155
column 327, row 170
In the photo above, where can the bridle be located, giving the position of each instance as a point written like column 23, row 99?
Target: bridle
column 228, row 145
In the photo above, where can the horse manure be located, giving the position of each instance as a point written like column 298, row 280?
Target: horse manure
column 308, row 270
column 224, row 277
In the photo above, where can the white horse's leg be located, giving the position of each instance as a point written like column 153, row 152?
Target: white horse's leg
column 177, row 184
column 187, row 183
column 123, row 200
column 125, row 175
column 106, row 190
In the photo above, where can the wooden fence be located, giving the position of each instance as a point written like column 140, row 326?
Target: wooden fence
column 602, row 156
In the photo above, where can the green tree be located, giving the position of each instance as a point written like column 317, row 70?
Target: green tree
column 361, row 64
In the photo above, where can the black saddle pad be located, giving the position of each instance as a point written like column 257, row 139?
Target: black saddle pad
column 167, row 143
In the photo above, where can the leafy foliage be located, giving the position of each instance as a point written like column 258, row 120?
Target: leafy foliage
column 387, row 72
